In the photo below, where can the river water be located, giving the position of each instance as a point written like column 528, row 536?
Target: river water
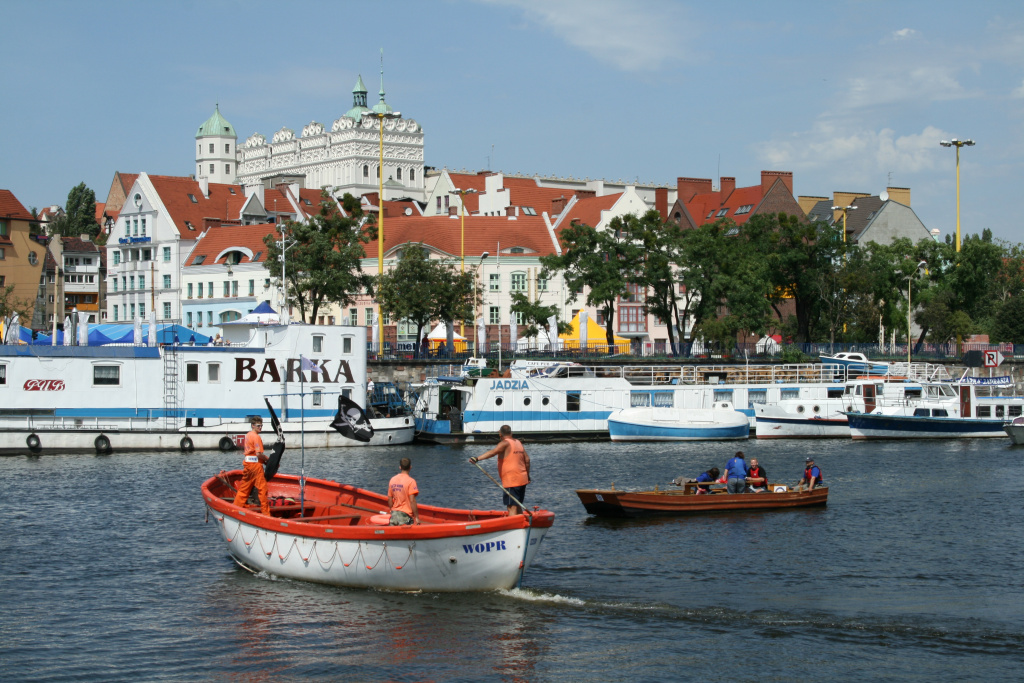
column 913, row 571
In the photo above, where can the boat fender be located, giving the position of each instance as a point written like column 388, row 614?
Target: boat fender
column 226, row 444
column 33, row 443
column 102, row 444
column 186, row 444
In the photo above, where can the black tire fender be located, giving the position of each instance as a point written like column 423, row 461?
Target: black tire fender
column 186, row 444
column 226, row 444
column 102, row 444
column 33, row 443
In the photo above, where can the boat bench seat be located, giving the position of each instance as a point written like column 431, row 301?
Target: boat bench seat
column 325, row 518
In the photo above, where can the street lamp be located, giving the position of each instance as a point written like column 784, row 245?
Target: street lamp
column 958, row 144
column 845, row 210
column 483, row 311
column 380, row 116
column 909, row 308
column 462, row 239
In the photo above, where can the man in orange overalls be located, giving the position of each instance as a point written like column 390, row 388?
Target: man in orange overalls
column 252, row 473
column 513, row 466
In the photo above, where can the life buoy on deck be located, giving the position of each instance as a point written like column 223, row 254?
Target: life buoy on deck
column 102, row 444
column 33, row 443
column 186, row 444
column 226, row 444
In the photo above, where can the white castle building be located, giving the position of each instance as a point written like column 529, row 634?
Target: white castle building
column 345, row 157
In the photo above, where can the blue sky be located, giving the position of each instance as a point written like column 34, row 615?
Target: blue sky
column 846, row 95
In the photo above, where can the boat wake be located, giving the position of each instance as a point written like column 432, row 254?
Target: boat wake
column 528, row 595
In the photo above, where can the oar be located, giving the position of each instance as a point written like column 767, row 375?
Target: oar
column 526, row 545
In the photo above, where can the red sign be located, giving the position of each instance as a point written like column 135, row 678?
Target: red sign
column 992, row 359
column 44, row 385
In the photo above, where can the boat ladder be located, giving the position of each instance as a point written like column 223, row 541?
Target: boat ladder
column 172, row 400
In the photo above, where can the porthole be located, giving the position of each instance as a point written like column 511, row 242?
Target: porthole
column 799, row 409
column 498, row 401
column 526, row 401
column 817, row 409
column 545, row 400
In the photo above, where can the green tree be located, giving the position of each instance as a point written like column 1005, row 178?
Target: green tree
column 603, row 263
column 323, row 263
column 535, row 315
column 79, row 217
column 1009, row 322
column 10, row 304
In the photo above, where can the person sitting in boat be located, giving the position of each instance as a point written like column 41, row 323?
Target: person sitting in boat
column 402, row 492
column 252, row 470
column 757, row 478
column 705, row 480
column 812, row 476
column 736, row 471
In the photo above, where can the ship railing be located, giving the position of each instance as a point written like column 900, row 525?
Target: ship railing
column 136, row 424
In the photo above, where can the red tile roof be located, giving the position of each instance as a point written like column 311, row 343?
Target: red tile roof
column 220, row 238
column 127, row 180
column 470, row 181
column 482, row 234
column 100, row 206
column 78, row 244
column 587, row 210
column 10, row 207
column 222, row 204
column 712, row 202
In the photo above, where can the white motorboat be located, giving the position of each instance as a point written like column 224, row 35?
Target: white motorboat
column 719, row 423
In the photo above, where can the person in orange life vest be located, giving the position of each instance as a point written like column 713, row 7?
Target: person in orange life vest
column 252, row 472
column 812, row 475
column 513, row 466
column 402, row 492
column 757, row 477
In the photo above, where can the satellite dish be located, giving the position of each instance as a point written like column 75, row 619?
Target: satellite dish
column 884, row 196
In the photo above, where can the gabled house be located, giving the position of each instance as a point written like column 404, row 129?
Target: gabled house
column 21, row 253
column 881, row 218
column 697, row 202
column 77, row 285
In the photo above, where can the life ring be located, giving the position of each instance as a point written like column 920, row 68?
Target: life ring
column 226, row 444
column 102, row 444
column 33, row 443
column 186, row 445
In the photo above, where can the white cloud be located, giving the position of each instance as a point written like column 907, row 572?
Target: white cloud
column 903, row 33
column 631, row 36
column 892, row 85
column 1018, row 92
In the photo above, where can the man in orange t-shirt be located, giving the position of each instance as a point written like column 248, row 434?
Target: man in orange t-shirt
column 252, row 471
column 402, row 492
column 513, row 466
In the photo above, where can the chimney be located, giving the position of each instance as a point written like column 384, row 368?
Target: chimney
column 900, row 195
column 558, row 205
column 768, row 177
column 453, row 210
column 211, row 223
column 585, row 194
column 688, row 188
column 204, row 186
column 661, row 202
column 726, row 186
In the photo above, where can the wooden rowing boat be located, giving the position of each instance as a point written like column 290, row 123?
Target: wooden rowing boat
column 339, row 534
column 614, row 503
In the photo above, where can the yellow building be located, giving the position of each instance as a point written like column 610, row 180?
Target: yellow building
column 21, row 256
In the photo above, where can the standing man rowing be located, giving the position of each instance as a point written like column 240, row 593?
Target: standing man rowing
column 513, row 467
column 252, row 471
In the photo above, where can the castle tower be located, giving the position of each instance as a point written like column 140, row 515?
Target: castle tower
column 215, row 150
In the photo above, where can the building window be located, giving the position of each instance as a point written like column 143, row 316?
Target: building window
column 213, row 372
column 3, row 228
column 133, row 311
column 542, row 284
column 167, row 254
column 3, row 374
column 192, row 372
column 144, row 229
column 142, row 282
column 366, row 171
column 188, row 320
column 117, row 257
column 632, row 319
column 495, row 315
column 209, row 318
column 124, row 282
column 114, row 283
column 518, row 282
column 209, row 288
column 227, row 169
column 412, row 174
column 318, row 397
column 106, row 375
column 227, row 288
column 188, row 289
column 200, row 296
column 369, row 316
column 115, row 311
column 167, row 281
column 318, row 343
column 167, row 310
column 635, row 294
column 353, row 316
column 495, row 282
column 131, row 281
column 346, row 345
column 211, row 148
column 211, row 168
column 142, row 310
column 398, row 173
column 234, row 288
column 438, row 205
column 330, row 320
column 252, row 288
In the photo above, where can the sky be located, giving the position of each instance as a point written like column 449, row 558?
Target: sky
column 849, row 96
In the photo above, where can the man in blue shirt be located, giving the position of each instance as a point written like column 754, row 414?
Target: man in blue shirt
column 736, row 471
column 812, row 475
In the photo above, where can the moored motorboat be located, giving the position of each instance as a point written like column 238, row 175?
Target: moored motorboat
column 1015, row 430
column 339, row 534
column 613, row 503
column 653, row 423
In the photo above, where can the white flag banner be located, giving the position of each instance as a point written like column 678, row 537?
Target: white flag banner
column 83, row 330
column 137, row 337
column 553, row 333
column 309, row 365
column 69, row 332
column 375, row 333
column 481, row 336
column 152, row 328
column 584, row 322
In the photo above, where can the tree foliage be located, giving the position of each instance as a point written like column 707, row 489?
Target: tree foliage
column 322, row 265
column 79, row 217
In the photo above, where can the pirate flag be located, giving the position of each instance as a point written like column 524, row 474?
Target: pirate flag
column 274, row 461
column 351, row 421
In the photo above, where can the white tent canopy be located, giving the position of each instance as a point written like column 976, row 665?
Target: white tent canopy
column 441, row 332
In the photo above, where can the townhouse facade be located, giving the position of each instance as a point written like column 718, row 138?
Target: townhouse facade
column 22, row 254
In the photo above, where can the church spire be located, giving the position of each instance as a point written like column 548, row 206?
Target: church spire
column 382, row 107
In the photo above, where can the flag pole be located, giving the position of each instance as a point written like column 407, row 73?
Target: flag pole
column 302, row 438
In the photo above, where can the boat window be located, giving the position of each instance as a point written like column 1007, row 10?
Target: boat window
column 639, row 399
column 318, row 343
column 347, row 393
column 3, row 374
column 722, row 395
column 1000, row 411
column 572, row 401
column 498, row 401
column 213, row 372
column 912, row 392
column 1012, row 411
column 191, row 372
column 799, row 409
column 318, row 397
column 346, row 345
column 984, row 411
column 834, row 392
column 664, row 399
column 848, row 391
column 879, row 389
column 920, row 412
column 858, row 391
column 757, row 396
column 526, row 401
column 106, row 375
column 948, row 390
column 545, row 401
column 817, row 409
column 792, row 393
column 939, row 412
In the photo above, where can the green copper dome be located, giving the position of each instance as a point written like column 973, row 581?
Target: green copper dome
column 216, row 125
column 358, row 101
